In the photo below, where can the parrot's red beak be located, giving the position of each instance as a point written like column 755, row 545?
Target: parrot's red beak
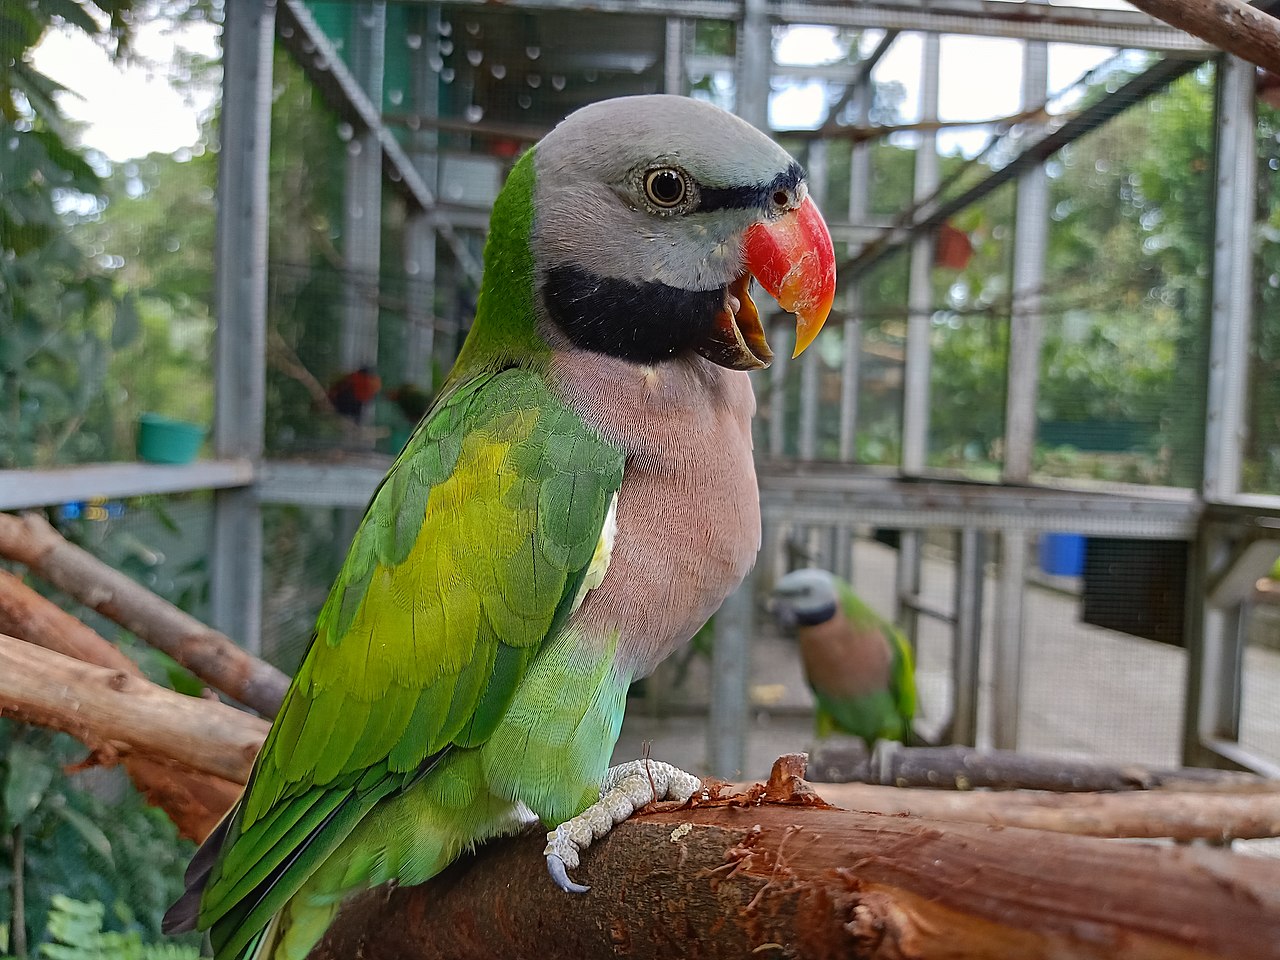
column 795, row 261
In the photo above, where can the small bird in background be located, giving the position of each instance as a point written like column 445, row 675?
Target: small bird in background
column 352, row 392
column 411, row 400
column 858, row 665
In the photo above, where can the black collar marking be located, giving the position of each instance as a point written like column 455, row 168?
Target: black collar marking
column 635, row 321
column 745, row 198
column 811, row 618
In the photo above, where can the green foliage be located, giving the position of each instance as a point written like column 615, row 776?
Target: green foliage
column 75, row 932
column 88, row 836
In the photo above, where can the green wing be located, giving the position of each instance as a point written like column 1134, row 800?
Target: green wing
column 470, row 555
column 904, row 678
column 886, row 714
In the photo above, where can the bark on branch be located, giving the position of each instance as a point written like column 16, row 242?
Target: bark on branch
column 1230, row 25
column 210, row 655
column 846, row 760
column 1174, row 814
column 119, row 711
column 774, row 872
column 195, row 801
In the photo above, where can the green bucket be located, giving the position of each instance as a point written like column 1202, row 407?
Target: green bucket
column 165, row 440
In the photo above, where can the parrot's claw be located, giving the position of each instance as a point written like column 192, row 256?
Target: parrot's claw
column 560, row 874
column 625, row 789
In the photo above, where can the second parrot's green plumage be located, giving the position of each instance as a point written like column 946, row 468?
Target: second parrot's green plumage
column 858, row 664
column 575, row 504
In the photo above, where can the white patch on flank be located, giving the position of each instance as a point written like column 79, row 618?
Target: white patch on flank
column 604, row 551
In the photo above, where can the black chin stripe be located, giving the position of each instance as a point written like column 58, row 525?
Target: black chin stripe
column 745, row 198
column 638, row 322
column 811, row 618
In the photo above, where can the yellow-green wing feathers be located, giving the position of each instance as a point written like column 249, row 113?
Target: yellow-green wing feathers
column 474, row 549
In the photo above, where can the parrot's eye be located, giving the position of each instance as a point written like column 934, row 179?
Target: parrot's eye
column 666, row 187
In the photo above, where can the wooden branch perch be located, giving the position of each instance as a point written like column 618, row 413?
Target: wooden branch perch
column 1230, row 25
column 210, row 655
column 846, row 760
column 195, row 801
column 775, row 872
column 1174, row 814
column 126, row 713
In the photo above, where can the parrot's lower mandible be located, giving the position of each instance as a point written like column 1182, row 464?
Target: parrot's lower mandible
column 858, row 664
column 573, row 506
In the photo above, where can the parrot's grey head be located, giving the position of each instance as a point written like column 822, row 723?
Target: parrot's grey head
column 805, row 598
column 650, row 216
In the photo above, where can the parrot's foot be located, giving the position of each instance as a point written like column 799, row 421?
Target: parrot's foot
column 625, row 789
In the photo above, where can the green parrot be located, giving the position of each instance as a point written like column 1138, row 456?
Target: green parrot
column 576, row 502
column 858, row 664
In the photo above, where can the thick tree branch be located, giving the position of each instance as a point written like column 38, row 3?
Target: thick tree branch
column 210, row 655
column 36, row 619
column 772, row 873
column 118, row 711
column 194, row 801
column 1230, row 25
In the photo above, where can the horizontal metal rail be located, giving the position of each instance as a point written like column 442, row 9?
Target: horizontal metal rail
column 23, row 489
column 842, row 497
column 992, row 18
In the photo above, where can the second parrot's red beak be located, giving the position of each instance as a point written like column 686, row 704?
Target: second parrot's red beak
column 793, row 259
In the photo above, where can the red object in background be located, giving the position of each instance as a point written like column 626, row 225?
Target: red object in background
column 953, row 249
column 350, row 393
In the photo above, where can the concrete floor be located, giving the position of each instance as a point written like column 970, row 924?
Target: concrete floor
column 1086, row 691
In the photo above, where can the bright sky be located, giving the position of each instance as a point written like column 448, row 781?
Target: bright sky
column 133, row 110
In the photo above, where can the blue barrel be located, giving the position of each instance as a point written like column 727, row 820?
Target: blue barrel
column 1062, row 554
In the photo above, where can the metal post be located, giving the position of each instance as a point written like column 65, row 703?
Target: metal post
column 362, row 209
column 674, row 75
column 730, row 683
column 1025, row 334
column 915, row 399
column 1231, row 320
column 969, row 589
column 1006, row 680
column 755, row 63
column 420, row 232
column 859, row 184
column 1031, row 234
column 915, row 391
column 1215, row 642
column 240, row 305
column 731, row 651
column 781, row 340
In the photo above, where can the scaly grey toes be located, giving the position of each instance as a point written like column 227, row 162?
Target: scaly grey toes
column 626, row 788
column 556, row 867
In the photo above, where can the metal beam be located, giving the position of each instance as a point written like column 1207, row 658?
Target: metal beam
column 833, row 493
column 240, row 306
column 990, row 18
column 315, row 54
column 24, row 489
column 348, row 485
column 931, row 215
